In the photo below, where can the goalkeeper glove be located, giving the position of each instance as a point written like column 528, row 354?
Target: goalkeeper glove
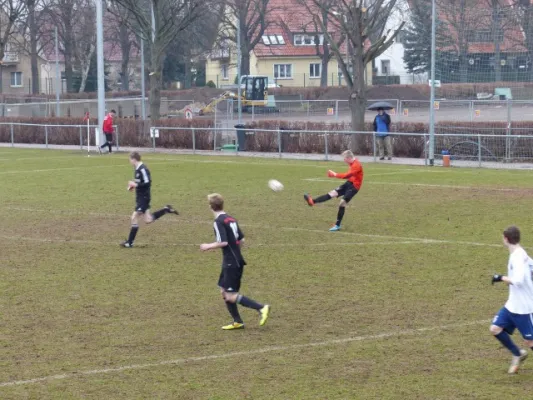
column 496, row 278
column 332, row 174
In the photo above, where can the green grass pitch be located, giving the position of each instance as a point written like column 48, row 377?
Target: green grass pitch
column 395, row 306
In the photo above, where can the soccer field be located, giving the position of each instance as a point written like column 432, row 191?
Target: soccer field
column 395, row 306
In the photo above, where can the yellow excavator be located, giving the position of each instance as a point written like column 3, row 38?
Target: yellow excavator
column 254, row 93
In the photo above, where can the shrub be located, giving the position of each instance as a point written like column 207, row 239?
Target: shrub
column 211, row 84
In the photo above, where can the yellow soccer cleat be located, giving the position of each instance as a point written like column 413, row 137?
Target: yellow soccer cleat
column 264, row 314
column 235, row 325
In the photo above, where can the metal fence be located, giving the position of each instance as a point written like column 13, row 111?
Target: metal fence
column 481, row 149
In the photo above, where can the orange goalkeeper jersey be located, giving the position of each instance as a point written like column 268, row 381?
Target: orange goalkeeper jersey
column 354, row 175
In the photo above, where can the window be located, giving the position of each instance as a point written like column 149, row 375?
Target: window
column 16, row 79
column 282, row 71
column 308, row 39
column 273, row 39
column 224, row 71
column 484, row 36
column 385, row 67
column 401, row 37
column 314, row 70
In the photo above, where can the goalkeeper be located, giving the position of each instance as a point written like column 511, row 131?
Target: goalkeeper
column 347, row 190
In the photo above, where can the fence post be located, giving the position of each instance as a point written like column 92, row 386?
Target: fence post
column 308, row 107
column 336, row 109
column 215, row 139
column 326, row 145
column 509, row 121
column 253, row 112
column 152, row 131
column 194, row 139
column 46, row 135
column 279, row 142
column 479, row 148
column 425, row 151
column 118, row 136
column 81, row 138
column 374, row 145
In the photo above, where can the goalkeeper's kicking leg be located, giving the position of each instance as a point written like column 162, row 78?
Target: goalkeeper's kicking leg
column 347, row 191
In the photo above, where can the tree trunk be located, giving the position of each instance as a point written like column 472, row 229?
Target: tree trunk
column 156, row 80
column 324, row 71
column 245, row 61
column 463, row 68
column 357, row 101
column 86, row 68
column 495, row 37
column 35, row 84
column 125, row 46
column 68, row 53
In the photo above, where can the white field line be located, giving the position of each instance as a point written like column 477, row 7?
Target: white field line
column 264, row 350
column 428, row 185
column 246, row 245
column 284, row 228
column 31, row 171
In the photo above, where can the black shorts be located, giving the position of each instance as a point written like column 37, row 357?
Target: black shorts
column 142, row 204
column 230, row 279
column 347, row 190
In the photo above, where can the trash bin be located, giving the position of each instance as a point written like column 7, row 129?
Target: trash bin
column 445, row 158
column 241, row 136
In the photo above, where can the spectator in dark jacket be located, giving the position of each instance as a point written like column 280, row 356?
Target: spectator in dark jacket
column 382, row 129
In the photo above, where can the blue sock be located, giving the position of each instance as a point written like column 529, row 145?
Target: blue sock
column 506, row 340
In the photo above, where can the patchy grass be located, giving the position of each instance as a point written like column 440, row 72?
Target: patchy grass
column 394, row 306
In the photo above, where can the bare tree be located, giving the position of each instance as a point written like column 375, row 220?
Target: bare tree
column 170, row 17
column 522, row 15
column 321, row 44
column 253, row 18
column 11, row 14
column 120, row 33
column 358, row 21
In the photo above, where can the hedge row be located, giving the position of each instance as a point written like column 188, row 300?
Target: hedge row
column 136, row 133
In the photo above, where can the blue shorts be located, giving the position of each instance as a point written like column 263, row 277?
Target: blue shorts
column 509, row 322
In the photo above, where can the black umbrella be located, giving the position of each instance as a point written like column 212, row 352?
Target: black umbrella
column 381, row 104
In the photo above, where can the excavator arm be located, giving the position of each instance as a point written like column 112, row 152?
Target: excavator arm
column 211, row 106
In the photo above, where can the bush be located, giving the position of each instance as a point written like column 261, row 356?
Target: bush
column 211, row 84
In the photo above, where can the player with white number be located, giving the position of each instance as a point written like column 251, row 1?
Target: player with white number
column 347, row 190
column 518, row 310
column 229, row 238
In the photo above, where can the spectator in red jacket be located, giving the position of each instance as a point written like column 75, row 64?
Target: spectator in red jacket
column 108, row 130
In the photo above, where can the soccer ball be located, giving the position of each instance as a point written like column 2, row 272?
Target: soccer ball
column 275, row 185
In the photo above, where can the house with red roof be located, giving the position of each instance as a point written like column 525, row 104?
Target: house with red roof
column 287, row 52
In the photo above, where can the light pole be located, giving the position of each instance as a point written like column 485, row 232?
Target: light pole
column 58, row 75
column 100, row 66
column 239, row 63
column 432, row 93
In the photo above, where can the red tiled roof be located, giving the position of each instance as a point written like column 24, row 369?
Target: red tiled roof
column 288, row 17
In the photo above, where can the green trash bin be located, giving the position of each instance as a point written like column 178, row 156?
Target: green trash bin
column 241, row 136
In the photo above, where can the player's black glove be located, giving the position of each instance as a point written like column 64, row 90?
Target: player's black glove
column 496, row 278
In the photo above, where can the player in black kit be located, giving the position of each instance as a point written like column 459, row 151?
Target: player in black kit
column 229, row 238
column 142, row 185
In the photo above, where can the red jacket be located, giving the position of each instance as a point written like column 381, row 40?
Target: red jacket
column 108, row 124
column 354, row 175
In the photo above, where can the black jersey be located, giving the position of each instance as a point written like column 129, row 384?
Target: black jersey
column 227, row 230
column 143, row 180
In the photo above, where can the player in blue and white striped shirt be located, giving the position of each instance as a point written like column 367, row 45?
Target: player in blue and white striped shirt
column 518, row 310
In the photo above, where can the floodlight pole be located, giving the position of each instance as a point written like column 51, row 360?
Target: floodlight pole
column 58, row 75
column 100, row 66
column 239, row 63
column 432, row 95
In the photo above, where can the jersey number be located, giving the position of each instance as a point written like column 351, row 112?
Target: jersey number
column 235, row 228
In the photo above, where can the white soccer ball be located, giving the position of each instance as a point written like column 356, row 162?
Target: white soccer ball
column 275, row 185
